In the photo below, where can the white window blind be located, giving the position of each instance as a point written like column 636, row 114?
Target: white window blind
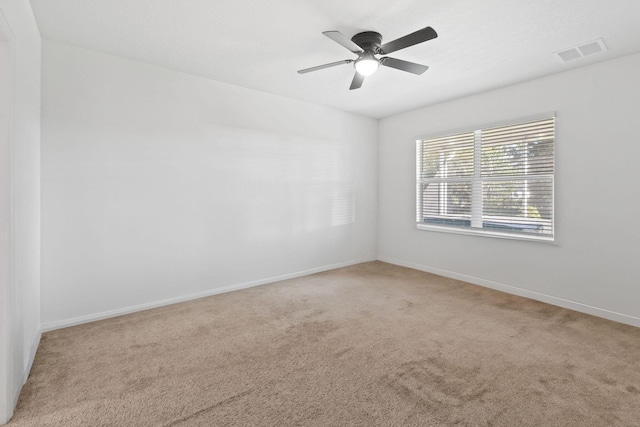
column 497, row 181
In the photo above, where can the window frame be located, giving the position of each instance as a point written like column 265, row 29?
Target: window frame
column 485, row 232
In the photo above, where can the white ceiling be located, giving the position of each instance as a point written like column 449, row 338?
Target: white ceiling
column 259, row 44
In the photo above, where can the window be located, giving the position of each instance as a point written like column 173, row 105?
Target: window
column 496, row 181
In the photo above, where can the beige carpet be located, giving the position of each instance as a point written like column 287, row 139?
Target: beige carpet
column 368, row 345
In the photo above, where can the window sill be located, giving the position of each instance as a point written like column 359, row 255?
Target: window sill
column 486, row 233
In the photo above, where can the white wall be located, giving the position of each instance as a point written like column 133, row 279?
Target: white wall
column 159, row 185
column 19, row 199
column 594, row 266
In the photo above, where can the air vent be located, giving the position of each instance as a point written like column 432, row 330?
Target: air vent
column 581, row 51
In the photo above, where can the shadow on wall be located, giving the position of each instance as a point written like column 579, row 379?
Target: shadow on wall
column 302, row 185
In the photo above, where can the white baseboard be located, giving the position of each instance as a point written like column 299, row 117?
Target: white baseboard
column 550, row 299
column 514, row 290
column 29, row 358
column 58, row 324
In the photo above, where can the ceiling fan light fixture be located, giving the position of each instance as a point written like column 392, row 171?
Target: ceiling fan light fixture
column 367, row 45
column 367, row 64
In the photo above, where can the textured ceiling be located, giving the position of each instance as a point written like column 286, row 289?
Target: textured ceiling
column 260, row 44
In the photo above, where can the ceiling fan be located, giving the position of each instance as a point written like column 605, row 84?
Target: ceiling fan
column 369, row 44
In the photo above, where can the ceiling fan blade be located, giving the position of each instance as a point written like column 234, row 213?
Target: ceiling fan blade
column 356, row 83
column 320, row 67
column 343, row 40
column 419, row 36
column 399, row 64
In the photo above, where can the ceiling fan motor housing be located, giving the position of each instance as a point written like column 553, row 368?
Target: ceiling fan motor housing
column 369, row 41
